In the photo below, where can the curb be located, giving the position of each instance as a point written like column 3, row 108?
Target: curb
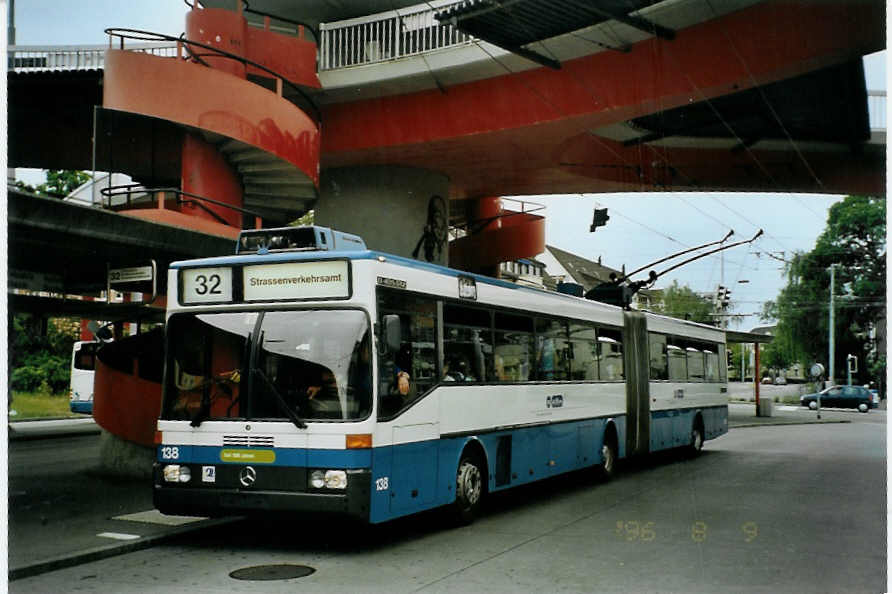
column 788, row 423
column 13, row 435
column 107, row 551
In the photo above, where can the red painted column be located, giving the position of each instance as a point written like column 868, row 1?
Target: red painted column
column 206, row 173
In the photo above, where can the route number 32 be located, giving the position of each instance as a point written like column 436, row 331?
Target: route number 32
column 208, row 285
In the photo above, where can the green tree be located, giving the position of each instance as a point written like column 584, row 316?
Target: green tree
column 308, row 218
column 680, row 301
column 59, row 183
column 38, row 355
column 854, row 242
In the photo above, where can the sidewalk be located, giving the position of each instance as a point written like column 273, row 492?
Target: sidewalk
column 743, row 414
column 64, row 511
column 34, row 429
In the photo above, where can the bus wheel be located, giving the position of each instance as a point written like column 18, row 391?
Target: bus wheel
column 607, row 469
column 696, row 439
column 469, row 488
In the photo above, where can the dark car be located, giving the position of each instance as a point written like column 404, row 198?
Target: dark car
column 840, row 397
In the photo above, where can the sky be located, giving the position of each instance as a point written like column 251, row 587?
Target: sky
column 642, row 227
column 646, row 227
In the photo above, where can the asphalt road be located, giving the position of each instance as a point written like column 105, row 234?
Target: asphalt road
column 789, row 508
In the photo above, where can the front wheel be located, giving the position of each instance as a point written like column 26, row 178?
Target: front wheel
column 863, row 407
column 469, row 489
column 813, row 405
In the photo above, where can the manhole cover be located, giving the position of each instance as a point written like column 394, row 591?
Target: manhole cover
column 272, row 572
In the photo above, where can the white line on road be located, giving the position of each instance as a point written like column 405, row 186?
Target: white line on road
column 118, row 536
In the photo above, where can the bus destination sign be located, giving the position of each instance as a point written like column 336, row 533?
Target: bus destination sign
column 207, row 285
column 297, row 280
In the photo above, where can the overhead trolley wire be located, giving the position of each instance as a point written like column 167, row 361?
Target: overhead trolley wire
column 765, row 99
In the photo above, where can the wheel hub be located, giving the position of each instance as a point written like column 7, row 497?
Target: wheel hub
column 469, row 483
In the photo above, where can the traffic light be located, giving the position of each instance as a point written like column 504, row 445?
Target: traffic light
column 723, row 296
column 599, row 220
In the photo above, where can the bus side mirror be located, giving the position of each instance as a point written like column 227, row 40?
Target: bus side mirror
column 392, row 332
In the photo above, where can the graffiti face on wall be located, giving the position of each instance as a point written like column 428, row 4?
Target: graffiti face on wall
column 433, row 237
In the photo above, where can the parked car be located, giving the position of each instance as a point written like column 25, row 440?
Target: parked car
column 875, row 398
column 840, row 397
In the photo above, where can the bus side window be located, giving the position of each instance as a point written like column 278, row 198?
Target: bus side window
column 678, row 361
column 513, row 347
column 552, row 350
column 712, row 363
column 584, row 352
column 610, row 343
column 417, row 356
column 468, row 343
column 659, row 363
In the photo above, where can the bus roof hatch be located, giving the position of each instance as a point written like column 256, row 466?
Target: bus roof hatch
column 297, row 239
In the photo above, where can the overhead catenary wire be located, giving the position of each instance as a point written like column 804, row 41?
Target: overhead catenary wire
column 765, row 99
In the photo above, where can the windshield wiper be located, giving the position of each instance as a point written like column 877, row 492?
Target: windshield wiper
column 282, row 403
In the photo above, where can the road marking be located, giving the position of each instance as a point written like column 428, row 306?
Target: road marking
column 118, row 536
column 153, row 516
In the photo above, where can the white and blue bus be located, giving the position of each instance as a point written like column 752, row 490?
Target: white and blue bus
column 83, row 369
column 307, row 373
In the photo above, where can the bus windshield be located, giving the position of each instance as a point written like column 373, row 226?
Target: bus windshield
column 277, row 365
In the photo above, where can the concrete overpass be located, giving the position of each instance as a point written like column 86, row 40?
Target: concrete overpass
column 418, row 100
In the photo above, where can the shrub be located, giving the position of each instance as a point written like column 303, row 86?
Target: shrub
column 27, row 379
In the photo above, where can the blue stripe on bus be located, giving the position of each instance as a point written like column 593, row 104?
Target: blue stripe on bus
column 82, row 407
column 408, row 478
column 411, row 477
column 672, row 428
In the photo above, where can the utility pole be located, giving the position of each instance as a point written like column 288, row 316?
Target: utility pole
column 832, row 323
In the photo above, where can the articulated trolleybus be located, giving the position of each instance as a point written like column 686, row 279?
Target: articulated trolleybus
column 307, row 373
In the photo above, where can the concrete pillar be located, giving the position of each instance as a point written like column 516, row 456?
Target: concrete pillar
column 398, row 210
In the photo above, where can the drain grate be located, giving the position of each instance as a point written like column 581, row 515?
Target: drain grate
column 272, row 572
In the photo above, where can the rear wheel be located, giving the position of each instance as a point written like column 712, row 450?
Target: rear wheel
column 607, row 468
column 696, row 440
column 470, row 486
column 863, row 407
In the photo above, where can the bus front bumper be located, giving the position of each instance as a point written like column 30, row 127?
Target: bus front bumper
column 353, row 501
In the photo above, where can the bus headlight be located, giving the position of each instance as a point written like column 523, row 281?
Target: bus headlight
column 328, row 479
column 174, row 473
column 335, row 479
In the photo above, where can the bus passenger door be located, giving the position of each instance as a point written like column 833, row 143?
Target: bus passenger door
column 413, row 480
column 637, row 365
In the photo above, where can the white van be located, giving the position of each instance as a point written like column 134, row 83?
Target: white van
column 83, row 363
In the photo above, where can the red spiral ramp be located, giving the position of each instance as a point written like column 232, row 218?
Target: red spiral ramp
column 227, row 106
column 496, row 235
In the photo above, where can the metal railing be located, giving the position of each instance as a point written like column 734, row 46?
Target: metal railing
column 876, row 109
column 32, row 58
column 187, row 46
column 518, row 207
column 130, row 195
column 387, row 36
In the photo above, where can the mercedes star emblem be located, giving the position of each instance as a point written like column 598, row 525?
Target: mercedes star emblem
column 247, row 476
